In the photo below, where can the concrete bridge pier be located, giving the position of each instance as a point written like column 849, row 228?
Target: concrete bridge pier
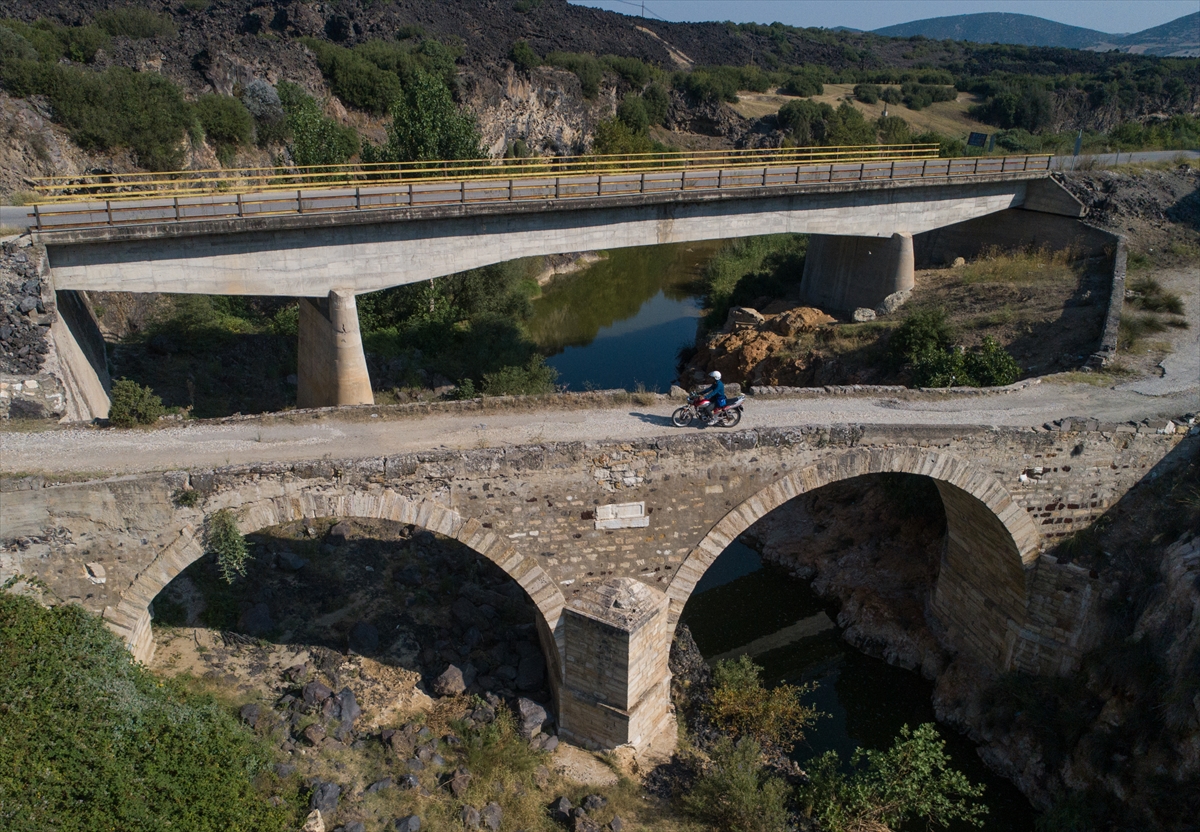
column 616, row 685
column 332, row 367
column 844, row 273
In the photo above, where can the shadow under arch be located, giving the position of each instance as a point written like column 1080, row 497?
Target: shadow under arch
column 991, row 542
column 131, row 616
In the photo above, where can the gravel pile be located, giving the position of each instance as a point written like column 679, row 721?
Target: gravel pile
column 1158, row 197
column 22, row 342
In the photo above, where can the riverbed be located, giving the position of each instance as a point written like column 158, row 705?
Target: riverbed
column 743, row 605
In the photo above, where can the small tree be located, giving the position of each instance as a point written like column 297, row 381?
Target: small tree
column 774, row 718
column 132, row 404
column 225, row 541
column 524, row 58
column 991, row 365
column 226, row 122
column 910, row 780
column 428, row 125
column 734, row 792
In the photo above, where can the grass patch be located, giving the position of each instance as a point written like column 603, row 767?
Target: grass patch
column 1149, row 295
column 1020, row 266
column 9, row 231
column 1135, row 328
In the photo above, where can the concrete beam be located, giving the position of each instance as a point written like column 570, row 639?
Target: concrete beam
column 332, row 367
column 371, row 250
column 1048, row 196
column 844, row 273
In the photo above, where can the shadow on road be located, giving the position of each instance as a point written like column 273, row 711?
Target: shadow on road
column 653, row 419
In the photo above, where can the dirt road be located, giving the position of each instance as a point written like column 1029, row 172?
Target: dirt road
column 346, row 436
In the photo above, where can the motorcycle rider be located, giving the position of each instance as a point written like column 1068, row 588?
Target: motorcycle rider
column 715, row 395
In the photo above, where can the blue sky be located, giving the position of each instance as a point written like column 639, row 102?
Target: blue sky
column 1115, row 16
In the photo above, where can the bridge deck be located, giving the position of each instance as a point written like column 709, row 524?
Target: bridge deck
column 599, row 188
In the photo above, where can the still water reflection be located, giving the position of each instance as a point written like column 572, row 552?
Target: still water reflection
column 743, row 605
column 621, row 321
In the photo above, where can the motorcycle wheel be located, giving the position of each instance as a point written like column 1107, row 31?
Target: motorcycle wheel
column 682, row 417
column 731, row 417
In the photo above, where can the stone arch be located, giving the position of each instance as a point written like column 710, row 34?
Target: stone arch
column 130, row 619
column 991, row 542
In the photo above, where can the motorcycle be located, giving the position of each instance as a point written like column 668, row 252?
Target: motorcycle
column 725, row 417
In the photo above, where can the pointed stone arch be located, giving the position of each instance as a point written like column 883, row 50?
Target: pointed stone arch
column 991, row 543
column 130, row 617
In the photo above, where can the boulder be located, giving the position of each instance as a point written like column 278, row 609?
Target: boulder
column 677, row 392
column 290, row 561
column 314, row 822
column 411, row 823
column 742, row 317
column 594, row 803
column 532, row 716
column 340, row 533
column 408, row 782
column 458, row 782
column 315, row 693
column 251, row 714
column 892, row 302
column 324, row 797
column 380, row 785
column 560, row 810
column 800, row 319
column 470, row 817
column 450, row 683
column 348, row 708
column 464, row 611
column 352, row 826
column 616, row 825
column 491, row 816
column 862, row 315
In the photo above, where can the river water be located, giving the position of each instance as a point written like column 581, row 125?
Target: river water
column 620, row 323
column 742, row 605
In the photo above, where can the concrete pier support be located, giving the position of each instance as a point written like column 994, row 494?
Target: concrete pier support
column 331, row 365
column 845, row 273
column 616, row 684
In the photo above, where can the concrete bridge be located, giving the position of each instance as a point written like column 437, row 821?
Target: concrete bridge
column 327, row 245
column 609, row 539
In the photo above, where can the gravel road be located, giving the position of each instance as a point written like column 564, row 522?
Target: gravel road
column 97, row 451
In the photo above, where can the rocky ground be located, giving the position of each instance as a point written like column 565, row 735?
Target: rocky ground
column 23, row 341
column 397, row 673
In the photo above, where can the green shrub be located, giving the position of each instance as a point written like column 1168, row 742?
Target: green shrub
column 806, row 82
column 990, row 365
column 749, row 268
column 90, row 740
column 225, row 542
column 632, row 113
column 354, row 79
column 657, row 101
column 816, row 123
column 135, row 22
column 133, row 404
column 867, row 93
column 892, row 130
column 631, row 69
column 923, row 331
column 735, row 794
column 885, row 789
column 532, row 379
column 265, row 107
column 891, row 95
column 523, row 57
column 226, row 122
column 52, row 41
column 775, row 718
column 615, row 136
column 710, row 84
column 316, row 139
column 919, row 96
column 13, row 47
column 427, row 125
column 586, row 68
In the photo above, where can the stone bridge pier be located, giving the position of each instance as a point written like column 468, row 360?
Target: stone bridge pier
column 609, row 539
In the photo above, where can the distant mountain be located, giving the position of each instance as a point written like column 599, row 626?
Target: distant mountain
column 1180, row 37
column 1000, row 27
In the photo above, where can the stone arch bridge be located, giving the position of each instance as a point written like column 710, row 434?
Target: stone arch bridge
column 609, row 539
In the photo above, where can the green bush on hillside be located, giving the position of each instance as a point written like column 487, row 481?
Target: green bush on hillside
column 925, row 342
column 523, row 57
column 135, row 22
column 657, row 101
column 735, row 793
column 226, row 122
column 806, row 82
column 132, row 404
column 884, row 789
column 749, row 268
column 427, row 125
column 586, row 68
column 225, row 542
column 317, row 140
column 816, row 123
column 631, row 69
column 923, row 331
column 91, row 740
column 52, row 41
column 867, row 93
column 531, row 380
column 919, row 96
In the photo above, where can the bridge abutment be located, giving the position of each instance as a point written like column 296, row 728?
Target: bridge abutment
column 616, row 685
column 331, row 365
column 845, row 273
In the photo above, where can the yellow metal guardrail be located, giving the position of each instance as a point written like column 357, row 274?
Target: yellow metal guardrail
column 216, row 195
column 120, row 186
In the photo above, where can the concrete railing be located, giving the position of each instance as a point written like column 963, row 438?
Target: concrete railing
column 419, row 194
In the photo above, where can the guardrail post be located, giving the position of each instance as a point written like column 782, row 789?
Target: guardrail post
column 239, row 205
column 510, row 190
column 862, row 171
column 108, row 208
column 410, row 195
column 357, row 199
column 176, row 201
column 720, row 178
column 797, row 174
column 924, row 162
column 299, row 202
column 764, row 184
column 642, row 185
column 37, row 217
column 892, row 174
column 462, row 191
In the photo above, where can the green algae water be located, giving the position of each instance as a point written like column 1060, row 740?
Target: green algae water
column 620, row 323
column 743, row 605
